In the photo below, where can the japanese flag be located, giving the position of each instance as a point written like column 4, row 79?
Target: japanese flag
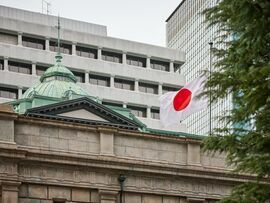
column 176, row 106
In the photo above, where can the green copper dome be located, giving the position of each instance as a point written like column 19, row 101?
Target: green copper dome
column 57, row 82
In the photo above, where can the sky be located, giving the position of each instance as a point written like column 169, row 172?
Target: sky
column 136, row 20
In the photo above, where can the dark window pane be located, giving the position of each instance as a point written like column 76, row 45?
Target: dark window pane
column 124, row 84
column 86, row 52
column 160, row 65
column 40, row 70
column 33, row 43
column 148, row 88
column 155, row 113
column 99, row 80
column 79, row 76
column 64, row 48
column 137, row 111
column 136, row 61
column 19, row 67
column 166, row 89
column 111, row 56
column 1, row 64
column 176, row 67
column 112, row 104
column 8, row 93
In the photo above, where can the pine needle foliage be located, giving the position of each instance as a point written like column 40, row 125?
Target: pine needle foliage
column 242, row 69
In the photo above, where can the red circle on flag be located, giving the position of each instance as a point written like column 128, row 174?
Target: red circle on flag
column 182, row 99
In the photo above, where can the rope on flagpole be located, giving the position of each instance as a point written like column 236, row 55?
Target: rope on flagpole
column 210, row 96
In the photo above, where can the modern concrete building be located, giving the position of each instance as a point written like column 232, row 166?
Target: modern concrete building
column 119, row 72
column 187, row 31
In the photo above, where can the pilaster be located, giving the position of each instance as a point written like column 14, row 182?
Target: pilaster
column 106, row 142
column 86, row 77
column 124, row 57
column 20, row 89
column 10, row 190
column 171, row 66
column 5, row 63
column 160, row 89
column 148, row 62
column 99, row 55
column 108, row 196
column 34, row 68
column 47, row 44
column 112, row 81
column 19, row 38
column 73, row 51
column 148, row 112
column 136, row 85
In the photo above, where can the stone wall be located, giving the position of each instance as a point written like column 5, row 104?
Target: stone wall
column 47, row 162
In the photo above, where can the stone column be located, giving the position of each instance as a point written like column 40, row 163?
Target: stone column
column 5, row 63
column 7, row 117
column 73, row 51
column 20, row 89
column 108, row 196
column 106, row 142
column 112, row 81
column 136, row 85
column 34, row 68
column 171, row 66
column 86, row 76
column 148, row 62
column 19, row 38
column 47, row 44
column 194, row 154
column 124, row 57
column 160, row 89
column 99, row 54
column 10, row 190
column 148, row 112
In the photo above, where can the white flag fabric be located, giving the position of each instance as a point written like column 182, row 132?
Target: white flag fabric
column 176, row 106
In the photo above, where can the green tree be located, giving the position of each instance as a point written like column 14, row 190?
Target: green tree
column 242, row 70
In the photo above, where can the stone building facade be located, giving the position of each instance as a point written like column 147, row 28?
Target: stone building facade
column 55, row 161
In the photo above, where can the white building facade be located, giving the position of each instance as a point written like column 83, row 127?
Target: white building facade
column 119, row 72
column 186, row 30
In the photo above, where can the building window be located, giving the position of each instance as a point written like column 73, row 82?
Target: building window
column 40, row 70
column 112, row 104
column 176, row 67
column 124, row 84
column 137, row 111
column 160, row 65
column 111, row 56
column 33, row 43
column 86, row 52
column 166, row 89
column 19, row 67
column 79, row 76
column 136, row 61
column 1, row 64
column 64, row 48
column 155, row 113
column 8, row 93
column 99, row 80
column 8, row 38
column 148, row 88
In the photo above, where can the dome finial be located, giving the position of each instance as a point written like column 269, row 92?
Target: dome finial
column 58, row 56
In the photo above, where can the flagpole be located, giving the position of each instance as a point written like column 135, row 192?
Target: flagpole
column 210, row 96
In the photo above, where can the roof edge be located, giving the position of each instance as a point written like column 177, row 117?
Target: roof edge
column 181, row 3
